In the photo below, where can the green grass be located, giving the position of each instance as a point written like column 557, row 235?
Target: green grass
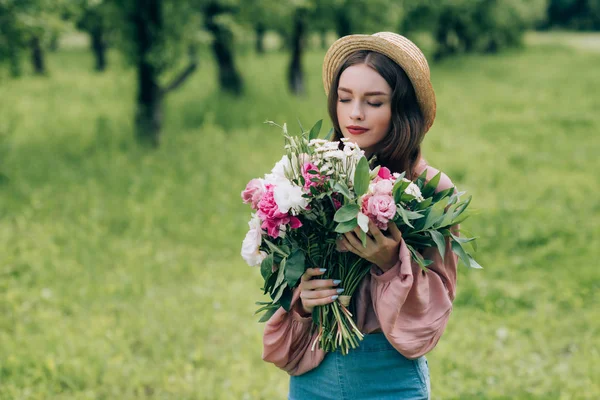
column 120, row 274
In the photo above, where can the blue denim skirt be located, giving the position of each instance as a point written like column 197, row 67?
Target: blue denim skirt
column 374, row 370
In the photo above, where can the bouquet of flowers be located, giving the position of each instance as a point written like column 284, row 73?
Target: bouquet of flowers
column 320, row 190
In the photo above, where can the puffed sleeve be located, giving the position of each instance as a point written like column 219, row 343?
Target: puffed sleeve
column 413, row 306
column 287, row 340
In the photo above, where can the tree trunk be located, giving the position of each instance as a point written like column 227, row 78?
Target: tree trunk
column 229, row 78
column 99, row 47
column 260, row 37
column 295, row 73
column 342, row 24
column 37, row 56
column 148, row 24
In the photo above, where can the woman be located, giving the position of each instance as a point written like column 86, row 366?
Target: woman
column 380, row 97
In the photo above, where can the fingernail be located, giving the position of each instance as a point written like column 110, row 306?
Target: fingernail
column 337, row 281
column 322, row 269
column 335, row 296
column 340, row 290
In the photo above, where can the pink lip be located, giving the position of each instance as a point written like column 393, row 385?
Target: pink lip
column 356, row 130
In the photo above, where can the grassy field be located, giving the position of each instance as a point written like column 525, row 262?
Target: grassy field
column 120, row 274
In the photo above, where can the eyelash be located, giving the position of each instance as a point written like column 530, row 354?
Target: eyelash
column 371, row 104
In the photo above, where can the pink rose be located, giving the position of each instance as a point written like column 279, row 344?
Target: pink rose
column 253, row 193
column 379, row 208
column 308, row 166
column 272, row 218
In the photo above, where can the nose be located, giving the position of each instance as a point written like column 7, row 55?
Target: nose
column 357, row 112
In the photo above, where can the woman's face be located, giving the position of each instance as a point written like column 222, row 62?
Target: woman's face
column 364, row 106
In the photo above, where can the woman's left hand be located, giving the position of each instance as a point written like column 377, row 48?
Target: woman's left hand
column 381, row 250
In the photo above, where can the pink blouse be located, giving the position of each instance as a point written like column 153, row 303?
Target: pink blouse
column 411, row 308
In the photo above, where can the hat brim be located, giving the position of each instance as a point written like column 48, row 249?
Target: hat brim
column 399, row 49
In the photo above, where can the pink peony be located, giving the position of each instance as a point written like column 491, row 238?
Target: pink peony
column 380, row 208
column 384, row 186
column 384, row 173
column 308, row 166
column 272, row 218
column 253, row 193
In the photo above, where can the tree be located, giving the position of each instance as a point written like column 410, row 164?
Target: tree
column 465, row 26
column 29, row 24
column 96, row 18
column 157, row 35
column 218, row 20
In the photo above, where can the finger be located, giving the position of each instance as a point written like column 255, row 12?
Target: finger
column 310, row 272
column 357, row 235
column 310, row 303
column 339, row 245
column 377, row 235
column 348, row 246
column 395, row 231
column 316, row 284
column 353, row 243
column 319, row 294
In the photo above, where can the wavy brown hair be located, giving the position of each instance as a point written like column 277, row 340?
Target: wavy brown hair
column 400, row 150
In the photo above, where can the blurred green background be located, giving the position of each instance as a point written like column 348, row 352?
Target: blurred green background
column 129, row 128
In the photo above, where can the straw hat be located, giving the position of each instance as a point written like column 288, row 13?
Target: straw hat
column 399, row 49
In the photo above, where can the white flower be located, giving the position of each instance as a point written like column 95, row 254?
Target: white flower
column 289, row 197
column 338, row 154
column 415, row 191
column 251, row 244
column 279, row 170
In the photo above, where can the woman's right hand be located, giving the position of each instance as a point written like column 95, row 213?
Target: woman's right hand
column 317, row 292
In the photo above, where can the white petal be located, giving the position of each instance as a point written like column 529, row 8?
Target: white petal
column 363, row 221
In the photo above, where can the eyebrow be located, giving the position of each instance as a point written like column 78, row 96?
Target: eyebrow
column 366, row 94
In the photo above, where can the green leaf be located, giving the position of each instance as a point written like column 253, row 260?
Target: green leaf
column 275, row 249
column 280, row 272
column 314, row 131
column 301, row 127
column 462, row 239
column 346, row 213
column 404, row 214
column 294, row 268
column 429, row 188
column 266, row 316
column 279, row 292
column 361, row 177
column 286, row 299
column 346, row 226
column 342, row 188
column 363, row 238
column 440, row 242
column 473, row 263
column 398, row 189
column 433, row 215
column 458, row 250
column 423, row 263
column 420, row 181
column 424, row 204
column 266, row 267
column 461, row 218
column 443, row 194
